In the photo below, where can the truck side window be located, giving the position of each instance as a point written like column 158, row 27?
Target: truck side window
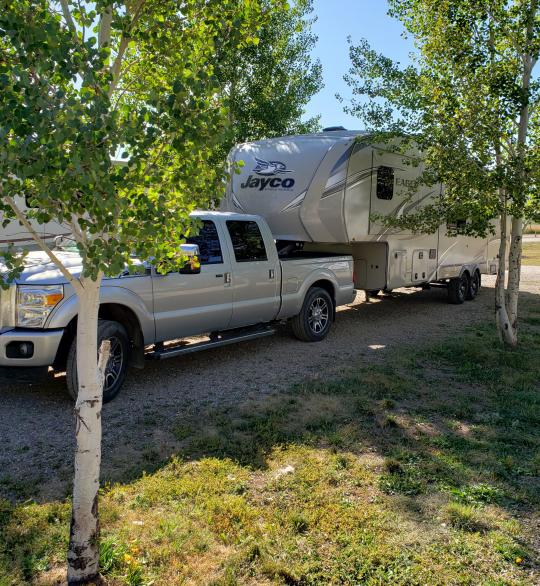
column 209, row 245
column 385, row 183
column 247, row 241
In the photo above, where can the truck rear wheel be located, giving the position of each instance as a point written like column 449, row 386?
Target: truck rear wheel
column 115, row 373
column 313, row 322
column 458, row 289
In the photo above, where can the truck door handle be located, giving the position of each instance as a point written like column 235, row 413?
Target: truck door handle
column 271, row 274
column 228, row 278
column 220, row 276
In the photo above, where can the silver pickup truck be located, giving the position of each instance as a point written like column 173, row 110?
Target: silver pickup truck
column 243, row 286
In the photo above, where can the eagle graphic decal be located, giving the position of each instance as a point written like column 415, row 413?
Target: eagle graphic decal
column 270, row 167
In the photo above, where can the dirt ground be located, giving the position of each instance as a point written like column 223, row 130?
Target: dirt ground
column 36, row 423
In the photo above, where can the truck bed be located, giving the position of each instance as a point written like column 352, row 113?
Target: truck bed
column 296, row 276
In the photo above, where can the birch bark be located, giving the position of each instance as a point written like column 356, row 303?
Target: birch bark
column 506, row 332
column 514, row 273
column 516, row 246
column 83, row 553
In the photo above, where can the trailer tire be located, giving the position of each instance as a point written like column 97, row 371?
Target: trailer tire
column 458, row 289
column 474, row 285
column 313, row 322
column 117, row 366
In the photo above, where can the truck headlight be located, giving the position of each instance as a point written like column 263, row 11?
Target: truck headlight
column 35, row 303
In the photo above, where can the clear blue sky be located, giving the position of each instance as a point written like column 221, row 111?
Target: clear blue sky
column 336, row 20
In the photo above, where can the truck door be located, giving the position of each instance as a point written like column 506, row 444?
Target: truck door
column 255, row 274
column 185, row 305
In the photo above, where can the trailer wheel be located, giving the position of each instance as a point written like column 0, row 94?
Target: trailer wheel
column 458, row 289
column 313, row 322
column 116, row 367
column 474, row 286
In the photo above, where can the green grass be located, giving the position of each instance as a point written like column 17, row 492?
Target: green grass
column 531, row 253
column 422, row 470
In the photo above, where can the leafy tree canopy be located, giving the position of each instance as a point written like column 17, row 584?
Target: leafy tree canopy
column 82, row 83
column 268, row 83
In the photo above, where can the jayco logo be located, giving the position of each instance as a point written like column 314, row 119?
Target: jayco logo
column 268, row 169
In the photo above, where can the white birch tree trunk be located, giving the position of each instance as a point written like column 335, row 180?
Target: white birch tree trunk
column 504, row 325
column 514, row 272
column 83, row 553
column 506, row 304
column 516, row 245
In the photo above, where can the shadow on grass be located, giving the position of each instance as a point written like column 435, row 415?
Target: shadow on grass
column 461, row 417
column 454, row 413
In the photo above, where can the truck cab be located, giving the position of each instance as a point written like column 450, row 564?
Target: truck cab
column 240, row 288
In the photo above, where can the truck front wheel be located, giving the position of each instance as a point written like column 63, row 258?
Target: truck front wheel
column 313, row 322
column 115, row 373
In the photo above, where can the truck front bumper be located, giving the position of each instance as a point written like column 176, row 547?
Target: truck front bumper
column 27, row 348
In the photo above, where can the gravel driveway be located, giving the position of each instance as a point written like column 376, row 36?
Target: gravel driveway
column 36, row 424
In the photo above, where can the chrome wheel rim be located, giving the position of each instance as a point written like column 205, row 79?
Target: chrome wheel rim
column 114, row 364
column 318, row 315
column 463, row 285
column 475, row 285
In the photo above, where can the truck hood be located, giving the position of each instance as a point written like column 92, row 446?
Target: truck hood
column 39, row 270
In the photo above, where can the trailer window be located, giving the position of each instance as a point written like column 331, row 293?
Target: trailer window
column 385, row 183
column 247, row 241
column 208, row 241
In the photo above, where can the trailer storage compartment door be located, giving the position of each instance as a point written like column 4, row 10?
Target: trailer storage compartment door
column 370, row 264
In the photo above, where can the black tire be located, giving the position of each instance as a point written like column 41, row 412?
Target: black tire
column 474, row 286
column 372, row 292
column 314, row 321
column 458, row 288
column 116, row 367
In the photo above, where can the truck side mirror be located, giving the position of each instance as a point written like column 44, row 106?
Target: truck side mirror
column 193, row 265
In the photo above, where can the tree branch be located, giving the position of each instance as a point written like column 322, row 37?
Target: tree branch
column 68, row 18
column 124, row 41
column 41, row 243
column 78, row 234
column 115, row 69
column 104, row 35
column 103, row 359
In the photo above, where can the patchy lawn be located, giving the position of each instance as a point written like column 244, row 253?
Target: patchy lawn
column 423, row 470
column 531, row 253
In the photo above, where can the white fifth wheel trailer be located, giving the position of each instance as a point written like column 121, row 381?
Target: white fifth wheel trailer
column 322, row 192
column 16, row 234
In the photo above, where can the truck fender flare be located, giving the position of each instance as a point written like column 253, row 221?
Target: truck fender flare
column 143, row 332
column 318, row 276
column 65, row 311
